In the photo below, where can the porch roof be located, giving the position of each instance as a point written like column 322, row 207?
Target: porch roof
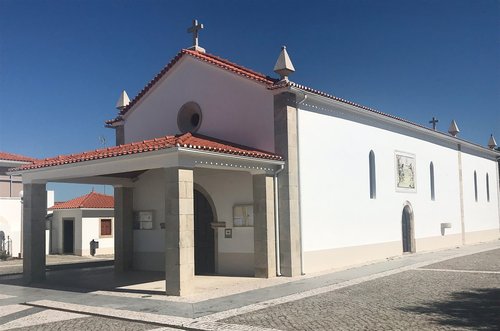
column 186, row 140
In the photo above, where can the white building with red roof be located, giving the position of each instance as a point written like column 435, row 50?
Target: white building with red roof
column 11, row 191
column 78, row 222
column 222, row 170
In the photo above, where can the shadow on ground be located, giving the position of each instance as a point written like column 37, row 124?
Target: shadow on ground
column 88, row 277
column 478, row 309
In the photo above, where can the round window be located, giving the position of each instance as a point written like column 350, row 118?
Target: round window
column 189, row 117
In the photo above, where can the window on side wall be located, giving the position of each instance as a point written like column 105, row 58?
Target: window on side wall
column 475, row 185
column 373, row 178
column 106, row 227
column 487, row 187
column 431, row 171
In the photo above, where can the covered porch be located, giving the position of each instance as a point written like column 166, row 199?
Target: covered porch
column 175, row 203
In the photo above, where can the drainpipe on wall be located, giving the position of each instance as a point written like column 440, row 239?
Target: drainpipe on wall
column 277, row 220
column 300, row 186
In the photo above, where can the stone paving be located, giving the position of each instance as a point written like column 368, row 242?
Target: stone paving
column 420, row 299
column 447, row 290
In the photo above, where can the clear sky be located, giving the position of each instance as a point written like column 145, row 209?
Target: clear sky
column 64, row 63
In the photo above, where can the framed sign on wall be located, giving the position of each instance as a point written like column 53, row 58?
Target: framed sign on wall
column 406, row 172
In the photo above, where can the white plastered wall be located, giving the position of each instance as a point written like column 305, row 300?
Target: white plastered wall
column 225, row 189
column 234, row 108
column 10, row 222
column 91, row 231
column 481, row 216
column 57, row 228
column 341, row 224
column 149, row 245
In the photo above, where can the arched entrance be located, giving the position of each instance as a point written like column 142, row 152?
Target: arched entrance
column 408, row 229
column 204, row 243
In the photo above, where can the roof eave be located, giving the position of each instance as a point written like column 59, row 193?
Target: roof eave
column 388, row 119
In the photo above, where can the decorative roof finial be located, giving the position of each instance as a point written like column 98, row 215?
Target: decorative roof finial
column 492, row 143
column 453, row 130
column 284, row 66
column 123, row 101
column 194, row 30
column 434, row 121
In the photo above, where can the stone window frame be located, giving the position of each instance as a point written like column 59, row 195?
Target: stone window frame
column 372, row 174
column 101, row 235
column 475, row 186
column 432, row 181
column 487, row 187
column 186, row 116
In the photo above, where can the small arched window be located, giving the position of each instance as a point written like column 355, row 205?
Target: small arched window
column 373, row 179
column 487, row 187
column 431, row 172
column 475, row 185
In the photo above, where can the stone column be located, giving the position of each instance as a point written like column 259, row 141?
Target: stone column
column 179, row 231
column 34, row 212
column 263, row 220
column 286, row 145
column 124, row 236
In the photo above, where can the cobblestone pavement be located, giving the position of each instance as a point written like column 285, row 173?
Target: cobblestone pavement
column 15, row 266
column 457, row 294
column 26, row 318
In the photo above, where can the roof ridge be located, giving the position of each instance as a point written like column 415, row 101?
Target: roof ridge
column 86, row 197
column 226, row 61
column 209, row 58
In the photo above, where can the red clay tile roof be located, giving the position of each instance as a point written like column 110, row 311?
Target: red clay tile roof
column 91, row 200
column 15, row 157
column 186, row 140
column 212, row 59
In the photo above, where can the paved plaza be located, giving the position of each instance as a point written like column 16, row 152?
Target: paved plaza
column 456, row 289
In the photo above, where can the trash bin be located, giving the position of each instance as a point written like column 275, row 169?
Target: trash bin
column 93, row 246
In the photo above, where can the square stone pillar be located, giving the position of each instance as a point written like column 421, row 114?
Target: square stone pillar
column 263, row 220
column 124, row 235
column 34, row 212
column 286, row 145
column 179, row 231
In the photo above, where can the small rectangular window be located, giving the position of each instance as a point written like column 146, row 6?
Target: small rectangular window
column 106, row 227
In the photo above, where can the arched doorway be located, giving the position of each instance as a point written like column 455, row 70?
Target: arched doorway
column 204, row 244
column 408, row 231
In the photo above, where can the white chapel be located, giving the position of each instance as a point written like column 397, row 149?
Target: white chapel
column 222, row 170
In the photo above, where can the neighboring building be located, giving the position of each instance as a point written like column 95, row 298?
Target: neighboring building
column 75, row 223
column 11, row 187
column 220, row 169
column 11, row 190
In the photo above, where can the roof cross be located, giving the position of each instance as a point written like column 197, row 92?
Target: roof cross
column 194, row 29
column 433, row 122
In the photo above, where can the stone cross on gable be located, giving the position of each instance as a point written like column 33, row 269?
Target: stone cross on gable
column 433, row 122
column 194, row 29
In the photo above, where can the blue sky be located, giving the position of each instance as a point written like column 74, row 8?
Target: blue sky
column 64, row 63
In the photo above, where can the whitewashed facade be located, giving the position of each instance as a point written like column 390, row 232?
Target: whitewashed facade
column 335, row 199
